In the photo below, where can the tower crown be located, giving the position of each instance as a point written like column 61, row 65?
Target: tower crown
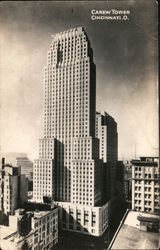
column 69, row 46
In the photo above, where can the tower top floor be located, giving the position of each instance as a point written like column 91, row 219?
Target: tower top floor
column 69, row 32
column 69, row 46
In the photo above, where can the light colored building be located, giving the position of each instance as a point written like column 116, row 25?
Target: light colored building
column 26, row 166
column 14, row 188
column 83, row 219
column 44, row 171
column 145, row 184
column 68, row 168
column 106, row 132
column 31, row 230
column 137, row 230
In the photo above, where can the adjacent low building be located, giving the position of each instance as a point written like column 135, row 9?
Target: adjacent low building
column 120, row 178
column 36, row 229
column 145, row 184
column 26, row 166
column 83, row 219
column 137, row 230
column 128, row 183
column 13, row 188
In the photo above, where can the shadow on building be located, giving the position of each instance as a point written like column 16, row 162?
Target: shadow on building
column 118, row 204
column 68, row 239
column 3, row 219
column 116, row 211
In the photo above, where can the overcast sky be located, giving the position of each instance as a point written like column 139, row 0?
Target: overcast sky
column 125, row 54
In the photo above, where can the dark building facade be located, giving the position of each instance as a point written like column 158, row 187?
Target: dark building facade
column 106, row 132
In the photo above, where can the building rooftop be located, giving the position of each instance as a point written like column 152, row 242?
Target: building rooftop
column 5, row 231
column 37, row 210
column 9, row 235
column 145, row 159
column 35, row 206
column 39, row 214
column 23, row 159
column 143, row 162
column 131, row 237
column 7, row 238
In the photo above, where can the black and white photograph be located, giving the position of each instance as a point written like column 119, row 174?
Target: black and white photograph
column 79, row 140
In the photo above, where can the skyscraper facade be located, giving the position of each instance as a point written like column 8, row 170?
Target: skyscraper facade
column 68, row 169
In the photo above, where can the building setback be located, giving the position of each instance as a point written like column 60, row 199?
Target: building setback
column 68, row 169
column 14, row 188
column 145, row 184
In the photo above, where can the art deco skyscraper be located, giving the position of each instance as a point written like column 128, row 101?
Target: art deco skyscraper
column 68, row 169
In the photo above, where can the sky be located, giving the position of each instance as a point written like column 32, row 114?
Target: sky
column 125, row 54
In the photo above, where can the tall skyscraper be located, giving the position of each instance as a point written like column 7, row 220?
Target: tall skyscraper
column 69, row 170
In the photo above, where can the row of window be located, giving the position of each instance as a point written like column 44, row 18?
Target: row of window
column 64, row 71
